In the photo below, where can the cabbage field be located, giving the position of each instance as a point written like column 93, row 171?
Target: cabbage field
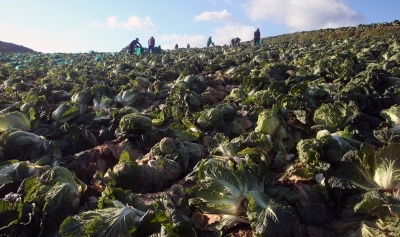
column 299, row 136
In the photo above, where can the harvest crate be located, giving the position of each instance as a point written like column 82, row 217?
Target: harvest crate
column 139, row 51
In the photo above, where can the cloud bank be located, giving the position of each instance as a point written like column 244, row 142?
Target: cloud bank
column 223, row 1
column 132, row 23
column 301, row 15
column 222, row 16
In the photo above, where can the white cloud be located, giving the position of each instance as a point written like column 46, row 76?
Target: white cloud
column 223, row 35
column 222, row 16
column 168, row 41
column 137, row 23
column 224, row 1
column 95, row 24
column 132, row 23
column 300, row 15
column 112, row 21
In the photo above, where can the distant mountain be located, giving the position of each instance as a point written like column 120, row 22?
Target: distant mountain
column 13, row 48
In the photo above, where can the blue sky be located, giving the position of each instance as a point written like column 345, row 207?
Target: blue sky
column 107, row 26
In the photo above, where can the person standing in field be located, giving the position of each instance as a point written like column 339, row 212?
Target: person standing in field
column 188, row 46
column 151, row 42
column 209, row 41
column 134, row 44
column 176, row 46
column 256, row 36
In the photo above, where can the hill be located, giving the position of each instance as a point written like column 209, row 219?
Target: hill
column 13, row 48
column 375, row 30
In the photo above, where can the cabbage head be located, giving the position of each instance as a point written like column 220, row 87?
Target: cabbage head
column 310, row 151
column 267, row 122
column 128, row 98
column 368, row 169
column 167, row 145
column 134, row 124
column 14, row 119
column 393, row 116
column 335, row 116
column 335, row 145
column 65, row 113
column 57, row 186
column 209, row 117
column 84, row 97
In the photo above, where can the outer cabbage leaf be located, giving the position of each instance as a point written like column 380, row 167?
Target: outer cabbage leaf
column 370, row 201
column 113, row 222
column 23, row 145
column 223, row 191
column 14, row 119
column 20, row 170
column 368, row 229
column 268, row 218
column 56, row 192
column 333, row 145
column 151, row 176
column 387, row 172
column 83, row 97
column 387, row 135
column 356, row 170
column 170, row 221
column 389, row 220
column 135, row 124
column 209, row 117
column 213, row 225
column 392, row 114
column 196, row 150
column 368, row 169
column 103, row 103
column 65, row 113
column 128, row 98
column 312, row 209
column 262, row 98
column 56, row 186
column 8, row 212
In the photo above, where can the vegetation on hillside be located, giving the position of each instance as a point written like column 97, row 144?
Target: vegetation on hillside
column 377, row 30
column 294, row 137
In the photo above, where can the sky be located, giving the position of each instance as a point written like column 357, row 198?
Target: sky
column 79, row 26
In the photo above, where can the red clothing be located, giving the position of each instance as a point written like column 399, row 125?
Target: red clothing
column 152, row 41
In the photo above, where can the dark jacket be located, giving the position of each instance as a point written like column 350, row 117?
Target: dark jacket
column 134, row 43
column 235, row 41
column 257, row 34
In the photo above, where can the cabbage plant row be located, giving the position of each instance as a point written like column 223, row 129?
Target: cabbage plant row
column 281, row 139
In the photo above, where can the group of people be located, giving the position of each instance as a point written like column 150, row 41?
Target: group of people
column 135, row 43
column 235, row 42
column 187, row 46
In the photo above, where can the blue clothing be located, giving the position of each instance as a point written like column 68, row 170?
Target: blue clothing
column 151, row 48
